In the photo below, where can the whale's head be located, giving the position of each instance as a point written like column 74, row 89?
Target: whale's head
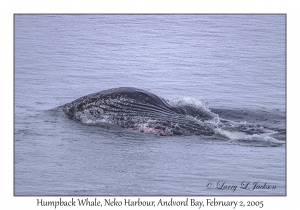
column 139, row 110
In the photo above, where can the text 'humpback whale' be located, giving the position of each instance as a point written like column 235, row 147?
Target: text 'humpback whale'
column 140, row 110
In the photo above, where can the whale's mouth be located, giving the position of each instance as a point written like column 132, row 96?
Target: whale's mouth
column 160, row 123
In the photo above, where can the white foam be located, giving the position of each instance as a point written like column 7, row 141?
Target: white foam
column 233, row 135
column 241, row 136
column 189, row 101
column 263, row 137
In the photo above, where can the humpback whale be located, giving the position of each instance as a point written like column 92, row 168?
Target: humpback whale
column 136, row 109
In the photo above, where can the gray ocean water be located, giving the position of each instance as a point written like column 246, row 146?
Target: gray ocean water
column 233, row 64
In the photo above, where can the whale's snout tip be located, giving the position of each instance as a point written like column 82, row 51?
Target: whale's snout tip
column 66, row 108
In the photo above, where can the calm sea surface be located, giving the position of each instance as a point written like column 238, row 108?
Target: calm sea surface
column 234, row 64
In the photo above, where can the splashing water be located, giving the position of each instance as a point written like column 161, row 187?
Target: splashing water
column 235, row 131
